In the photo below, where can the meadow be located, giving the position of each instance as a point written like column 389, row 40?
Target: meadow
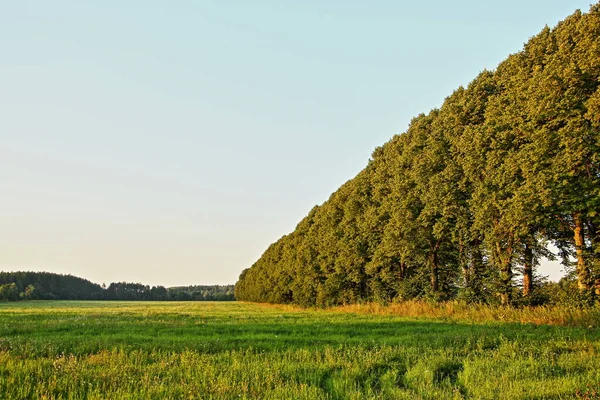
column 233, row 350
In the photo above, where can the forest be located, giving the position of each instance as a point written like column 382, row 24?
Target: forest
column 49, row 286
column 465, row 203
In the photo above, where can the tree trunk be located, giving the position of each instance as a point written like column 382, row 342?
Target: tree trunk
column 583, row 272
column 465, row 262
column 467, row 274
column 477, row 268
column 506, row 279
column 506, row 273
column 595, row 239
column 433, row 262
column 402, row 270
column 528, row 268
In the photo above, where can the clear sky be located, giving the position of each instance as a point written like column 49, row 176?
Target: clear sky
column 170, row 142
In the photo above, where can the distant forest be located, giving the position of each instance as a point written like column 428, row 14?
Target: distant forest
column 464, row 204
column 48, row 286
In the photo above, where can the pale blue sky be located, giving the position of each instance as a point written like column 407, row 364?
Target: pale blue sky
column 171, row 142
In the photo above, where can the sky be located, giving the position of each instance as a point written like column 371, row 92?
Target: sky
column 170, row 142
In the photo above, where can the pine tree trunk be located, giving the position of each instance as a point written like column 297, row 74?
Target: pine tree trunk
column 583, row 273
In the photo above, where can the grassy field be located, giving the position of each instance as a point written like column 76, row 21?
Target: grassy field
column 141, row 350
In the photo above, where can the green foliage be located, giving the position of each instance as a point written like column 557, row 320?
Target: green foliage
column 200, row 293
column 463, row 204
column 9, row 292
column 565, row 293
column 49, row 286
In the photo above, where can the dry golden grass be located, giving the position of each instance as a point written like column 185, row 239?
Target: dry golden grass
column 479, row 313
column 472, row 313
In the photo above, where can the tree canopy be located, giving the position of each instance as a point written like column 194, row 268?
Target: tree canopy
column 464, row 203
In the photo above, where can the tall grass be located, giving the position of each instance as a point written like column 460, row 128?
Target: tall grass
column 480, row 313
column 119, row 350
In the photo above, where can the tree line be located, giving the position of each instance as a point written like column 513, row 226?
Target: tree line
column 464, row 204
column 49, row 286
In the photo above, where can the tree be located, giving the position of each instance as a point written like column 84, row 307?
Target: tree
column 9, row 292
column 466, row 199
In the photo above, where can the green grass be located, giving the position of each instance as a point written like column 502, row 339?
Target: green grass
column 140, row 350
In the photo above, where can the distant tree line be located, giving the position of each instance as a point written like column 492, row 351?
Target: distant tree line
column 137, row 291
column 49, row 286
column 199, row 293
column 464, row 203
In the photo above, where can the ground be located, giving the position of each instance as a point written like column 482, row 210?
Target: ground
column 159, row 350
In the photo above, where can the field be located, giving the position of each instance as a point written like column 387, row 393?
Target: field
column 147, row 350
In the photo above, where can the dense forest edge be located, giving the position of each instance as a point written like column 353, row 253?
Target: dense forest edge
column 464, row 204
column 16, row 286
